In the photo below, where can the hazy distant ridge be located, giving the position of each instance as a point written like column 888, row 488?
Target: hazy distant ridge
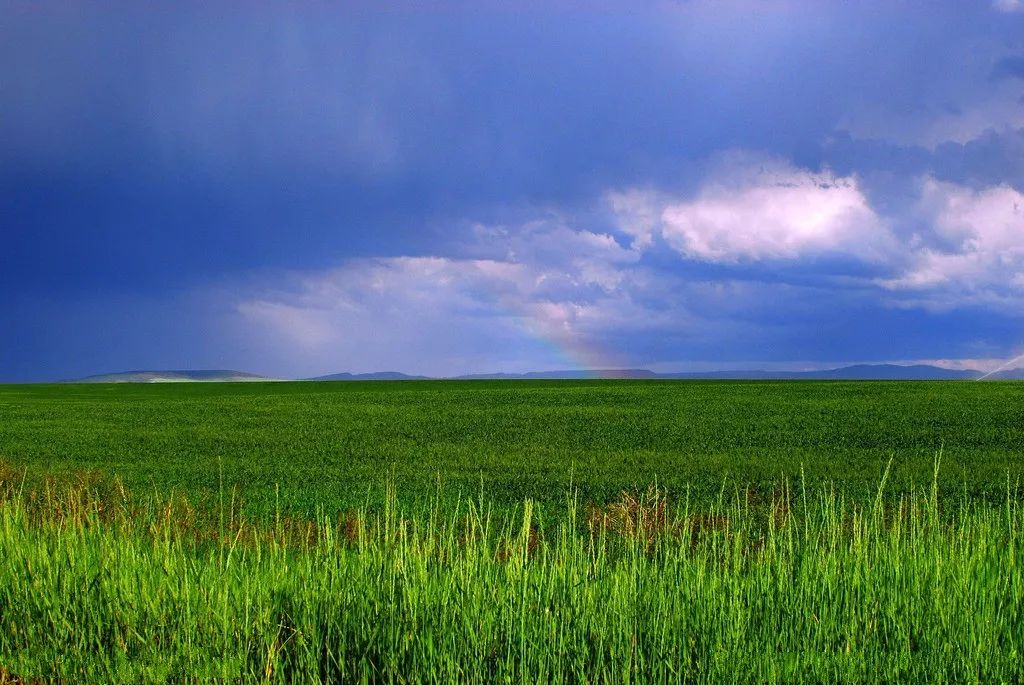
column 855, row 372
column 178, row 376
column 375, row 376
column 567, row 374
column 922, row 372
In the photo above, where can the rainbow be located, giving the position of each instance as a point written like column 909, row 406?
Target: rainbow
column 571, row 349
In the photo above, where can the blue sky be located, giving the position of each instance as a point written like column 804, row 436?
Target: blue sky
column 296, row 190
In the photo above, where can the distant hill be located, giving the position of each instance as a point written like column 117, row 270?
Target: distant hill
column 565, row 375
column 920, row 372
column 182, row 376
column 376, row 376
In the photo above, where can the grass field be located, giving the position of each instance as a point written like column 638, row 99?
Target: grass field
column 300, row 446
column 509, row 532
column 814, row 588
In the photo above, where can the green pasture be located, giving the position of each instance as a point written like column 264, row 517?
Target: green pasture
column 300, row 447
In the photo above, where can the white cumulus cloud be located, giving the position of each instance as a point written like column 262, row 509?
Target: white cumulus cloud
column 555, row 292
column 756, row 210
column 545, row 284
column 970, row 249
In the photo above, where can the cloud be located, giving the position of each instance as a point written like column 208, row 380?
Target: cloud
column 545, row 294
column 422, row 314
column 296, row 138
column 580, row 288
column 888, row 170
column 1012, row 67
column 1008, row 6
column 410, row 189
column 970, row 249
column 996, row 109
column 763, row 210
column 755, row 261
column 777, row 219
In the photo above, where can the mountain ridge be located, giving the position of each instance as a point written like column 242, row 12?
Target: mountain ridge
column 372, row 376
column 173, row 376
column 851, row 372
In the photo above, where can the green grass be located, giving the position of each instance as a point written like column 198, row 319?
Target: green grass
column 508, row 532
column 815, row 588
column 300, row 446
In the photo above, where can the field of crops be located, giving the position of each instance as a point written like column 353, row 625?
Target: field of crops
column 513, row 531
column 300, row 446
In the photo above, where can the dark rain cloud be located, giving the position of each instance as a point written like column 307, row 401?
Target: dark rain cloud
column 145, row 154
column 1009, row 67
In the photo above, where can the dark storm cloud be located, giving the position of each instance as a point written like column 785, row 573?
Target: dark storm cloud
column 1012, row 67
column 147, row 155
column 992, row 158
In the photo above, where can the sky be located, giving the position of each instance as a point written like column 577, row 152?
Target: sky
column 456, row 187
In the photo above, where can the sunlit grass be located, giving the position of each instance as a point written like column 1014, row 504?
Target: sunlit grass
column 97, row 585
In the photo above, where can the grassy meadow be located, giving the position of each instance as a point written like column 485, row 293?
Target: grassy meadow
column 299, row 447
column 619, row 531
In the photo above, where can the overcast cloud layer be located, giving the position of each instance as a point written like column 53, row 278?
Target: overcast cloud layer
column 680, row 185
